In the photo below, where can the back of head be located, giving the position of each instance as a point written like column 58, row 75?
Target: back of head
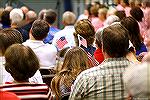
column 21, row 62
column 50, row 16
column 137, row 79
column 69, row 18
column 31, row 15
column 137, row 13
column 39, row 29
column 134, row 32
column 120, row 14
column 41, row 14
column 115, row 40
column 73, row 60
column 5, row 19
column 16, row 15
column 9, row 8
column 8, row 37
column 111, row 19
column 24, row 9
column 86, row 30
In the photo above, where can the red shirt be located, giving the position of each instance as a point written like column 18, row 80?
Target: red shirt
column 99, row 55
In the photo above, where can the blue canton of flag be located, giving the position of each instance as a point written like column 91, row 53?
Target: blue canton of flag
column 61, row 42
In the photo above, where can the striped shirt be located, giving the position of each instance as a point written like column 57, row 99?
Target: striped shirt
column 104, row 82
column 28, row 91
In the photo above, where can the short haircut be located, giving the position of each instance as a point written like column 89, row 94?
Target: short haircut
column 137, row 13
column 39, row 29
column 41, row 14
column 69, row 18
column 8, row 37
column 50, row 16
column 115, row 41
column 31, row 15
column 5, row 19
column 120, row 14
column 16, row 15
column 21, row 62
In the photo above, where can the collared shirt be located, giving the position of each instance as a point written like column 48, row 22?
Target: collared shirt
column 45, row 52
column 104, row 82
column 51, row 33
column 67, row 33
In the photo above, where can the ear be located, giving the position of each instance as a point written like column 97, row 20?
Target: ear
column 30, row 33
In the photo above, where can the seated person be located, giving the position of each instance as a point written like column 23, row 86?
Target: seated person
column 73, row 65
column 8, row 37
column 22, row 64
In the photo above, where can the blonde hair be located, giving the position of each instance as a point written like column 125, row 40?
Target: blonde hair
column 69, row 18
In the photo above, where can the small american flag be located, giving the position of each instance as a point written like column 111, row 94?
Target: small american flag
column 82, row 41
column 61, row 42
column 92, row 60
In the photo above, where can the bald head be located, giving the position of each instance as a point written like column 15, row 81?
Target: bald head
column 9, row 8
column 24, row 9
column 31, row 15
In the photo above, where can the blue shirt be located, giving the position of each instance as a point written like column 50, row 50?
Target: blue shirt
column 50, row 36
column 142, row 49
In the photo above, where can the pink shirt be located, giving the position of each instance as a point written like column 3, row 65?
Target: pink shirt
column 97, row 23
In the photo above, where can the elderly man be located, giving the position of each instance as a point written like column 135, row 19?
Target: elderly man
column 105, row 82
column 65, row 37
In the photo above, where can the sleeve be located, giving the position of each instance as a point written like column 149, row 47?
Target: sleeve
column 78, row 88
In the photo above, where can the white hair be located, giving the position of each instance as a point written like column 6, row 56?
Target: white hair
column 111, row 19
column 69, row 17
column 16, row 15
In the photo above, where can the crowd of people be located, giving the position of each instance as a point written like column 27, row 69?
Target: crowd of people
column 101, row 54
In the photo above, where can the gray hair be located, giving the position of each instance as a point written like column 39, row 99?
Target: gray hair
column 16, row 15
column 69, row 18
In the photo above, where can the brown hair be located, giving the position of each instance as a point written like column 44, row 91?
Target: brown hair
column 73, row 65
column 86, row 30
column 8, row 37
column 39, row 29
column 21, row 62
column 115, row 41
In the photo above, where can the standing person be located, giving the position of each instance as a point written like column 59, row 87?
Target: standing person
column 106, row 80
column 50, row 16
column 22, row 64
column 65, row 37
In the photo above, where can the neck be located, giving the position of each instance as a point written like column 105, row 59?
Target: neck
column 23, row 81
